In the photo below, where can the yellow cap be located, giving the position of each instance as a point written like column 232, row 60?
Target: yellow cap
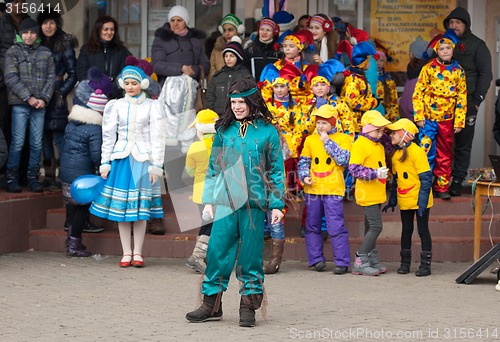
column 327, row 111
column 373, row 117
column 404, row 124
column 205, row 120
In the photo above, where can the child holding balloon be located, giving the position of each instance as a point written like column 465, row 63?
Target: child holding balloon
column 81, row 152
column 133, row 147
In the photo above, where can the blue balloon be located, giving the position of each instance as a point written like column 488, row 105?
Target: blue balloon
column 86, row 188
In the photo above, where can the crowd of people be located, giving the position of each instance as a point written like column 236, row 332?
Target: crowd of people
column 298, row 111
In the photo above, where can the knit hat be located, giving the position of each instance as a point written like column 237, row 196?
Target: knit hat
column 271, row 24
column 328, row 113
column 205, row 121
column 418, row 47
column 233, row 20
column 28, row 24
column 49, row 14
column 134, row 73
column 303, row 39
column 179, row 11
column 285, row 20
column 97, row 101
column 98, row 80
column 235, row 47
column 325, row 23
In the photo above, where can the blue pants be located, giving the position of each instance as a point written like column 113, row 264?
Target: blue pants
column 21, row 116
column 229, row 228
column 332, row 208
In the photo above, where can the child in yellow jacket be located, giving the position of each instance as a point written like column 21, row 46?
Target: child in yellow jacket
column 197, row 160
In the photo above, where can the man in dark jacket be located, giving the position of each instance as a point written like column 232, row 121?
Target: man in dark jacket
column 475, row 58
column 9, row 24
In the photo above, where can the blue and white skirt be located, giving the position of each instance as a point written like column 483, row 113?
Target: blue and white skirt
column 128, row 195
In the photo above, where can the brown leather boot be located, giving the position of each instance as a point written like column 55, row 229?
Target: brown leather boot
column 276, row 257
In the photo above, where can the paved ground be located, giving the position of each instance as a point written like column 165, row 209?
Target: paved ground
column 47, row 297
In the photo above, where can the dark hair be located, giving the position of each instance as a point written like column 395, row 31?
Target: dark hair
column 257, row 105
column 94, row 42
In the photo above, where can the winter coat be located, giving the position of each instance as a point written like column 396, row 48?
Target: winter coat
column 63, row 51
column 133, row 126
column 8, row 33
column 474, row 57
column 29, row 71
column 109, row 59
column 218, row 86
column 3, row 150
column 81, row 148
column 216, row 58
column 170, row 52
column 269, row 53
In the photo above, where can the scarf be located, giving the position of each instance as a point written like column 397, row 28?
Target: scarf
column 323, row 50
column 242, row 131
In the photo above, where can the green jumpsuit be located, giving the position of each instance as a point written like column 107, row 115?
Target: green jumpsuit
column 245, row 179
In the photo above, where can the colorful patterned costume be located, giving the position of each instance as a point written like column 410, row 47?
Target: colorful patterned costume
column 440, row 98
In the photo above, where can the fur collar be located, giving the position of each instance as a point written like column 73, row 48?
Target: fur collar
column 85, row 115
column 220, row 43
column 166, row 34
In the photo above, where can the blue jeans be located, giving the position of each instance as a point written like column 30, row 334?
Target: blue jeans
column 277, row 230
column 21, row 115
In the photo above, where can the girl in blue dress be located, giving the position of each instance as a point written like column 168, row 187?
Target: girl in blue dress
column 133, row 132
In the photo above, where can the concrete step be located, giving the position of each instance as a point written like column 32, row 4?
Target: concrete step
column 451, row 224
column 181, row 245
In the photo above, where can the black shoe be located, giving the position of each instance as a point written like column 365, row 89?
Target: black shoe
column 324, row 233
column 320, row 266
column 456, row 188
column 442, row 195
column 90, row 228
column 35, row 186
column 302, row 231
column 340, row 270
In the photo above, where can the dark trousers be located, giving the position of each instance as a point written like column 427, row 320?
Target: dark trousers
column 463, row 143
column 422, row 226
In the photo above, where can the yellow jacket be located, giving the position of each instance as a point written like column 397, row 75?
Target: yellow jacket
column 197, row 160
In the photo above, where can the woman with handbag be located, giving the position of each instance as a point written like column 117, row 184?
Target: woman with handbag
column 178, row 59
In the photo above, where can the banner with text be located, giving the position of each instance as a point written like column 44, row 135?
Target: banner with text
column 397, row 23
